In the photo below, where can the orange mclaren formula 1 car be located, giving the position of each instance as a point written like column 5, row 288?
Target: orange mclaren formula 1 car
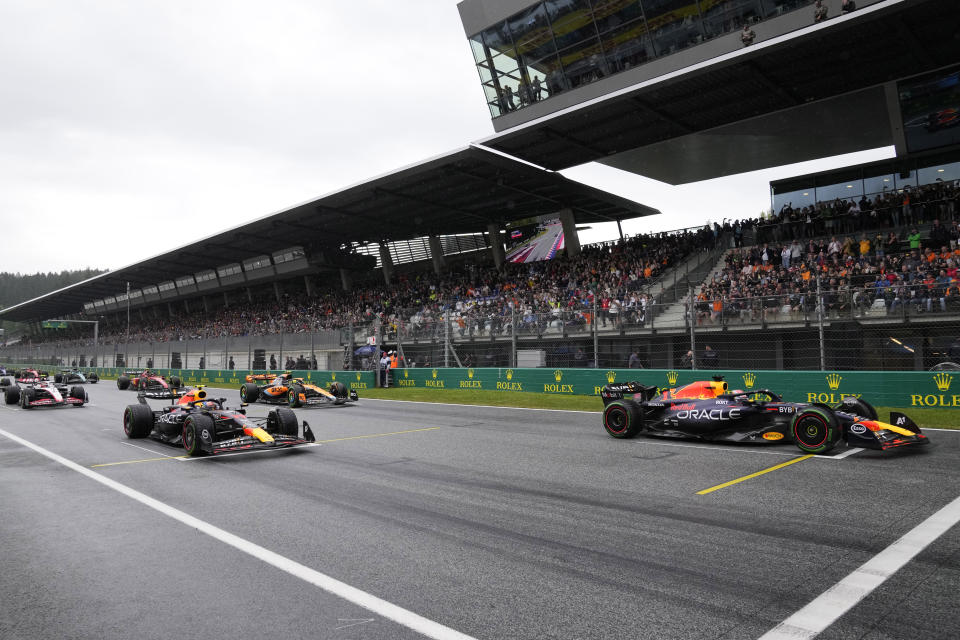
column 295, row 392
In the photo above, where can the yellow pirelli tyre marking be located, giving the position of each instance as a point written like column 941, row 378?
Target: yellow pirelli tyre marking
column 754, row 475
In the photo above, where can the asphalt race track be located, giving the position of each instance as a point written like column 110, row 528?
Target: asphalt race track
column 414, row 520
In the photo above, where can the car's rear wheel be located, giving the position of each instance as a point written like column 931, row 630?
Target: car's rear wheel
column 816, row 430
column 198, row 431
column 176, row 382
column 621, row 418
column 79, row 393
column 58, row 378
column 284, row 422
column 93, row 378
column 26, row 397
column 339, row 390
column 293, row 396
column 137, row 421
column 249, row 392
column 123, row 383
column 858, row 407
column 11, row 395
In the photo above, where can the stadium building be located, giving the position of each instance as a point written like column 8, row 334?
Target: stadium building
column 675, row 90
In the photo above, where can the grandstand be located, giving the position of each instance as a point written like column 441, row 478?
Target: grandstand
column 415, row 258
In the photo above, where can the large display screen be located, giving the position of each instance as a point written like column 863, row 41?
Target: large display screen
column 930, row 106
column 534, row 239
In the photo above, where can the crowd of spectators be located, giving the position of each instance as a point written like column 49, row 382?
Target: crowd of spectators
column 878, row 272
column 480, row 299
column 863, row 251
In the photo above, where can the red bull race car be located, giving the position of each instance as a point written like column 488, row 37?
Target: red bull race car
column 149, row 383
column 295, row 392
column 708, row 410
column 43, row 394
column 205, row 426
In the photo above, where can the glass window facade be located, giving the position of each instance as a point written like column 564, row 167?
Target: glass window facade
column 556, row 45
column 869, row 181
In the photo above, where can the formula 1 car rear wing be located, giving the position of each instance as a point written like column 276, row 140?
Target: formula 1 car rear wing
column 618, row 390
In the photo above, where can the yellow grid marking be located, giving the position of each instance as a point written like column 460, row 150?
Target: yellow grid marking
column 754, row 475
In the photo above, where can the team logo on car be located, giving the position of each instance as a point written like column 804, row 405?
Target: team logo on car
column 833, row 381
column 672, row 377
column 558, row 375
column 509, row 374
column 943, row 381
column 749, row 379
column 773, row 435
column 858, row 428
column 611, row 376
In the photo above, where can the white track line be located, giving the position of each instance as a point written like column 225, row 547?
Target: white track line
column 370, row 602
column 809, row 621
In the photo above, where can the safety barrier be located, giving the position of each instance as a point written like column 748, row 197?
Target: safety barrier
column 882, row 388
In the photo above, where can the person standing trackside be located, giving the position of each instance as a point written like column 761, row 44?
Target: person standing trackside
column 385, row 370
column 747, row 36
column 819, row 11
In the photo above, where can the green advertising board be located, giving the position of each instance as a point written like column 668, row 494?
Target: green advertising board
column 883, row 388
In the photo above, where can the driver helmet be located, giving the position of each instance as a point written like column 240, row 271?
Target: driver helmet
column 206, row 404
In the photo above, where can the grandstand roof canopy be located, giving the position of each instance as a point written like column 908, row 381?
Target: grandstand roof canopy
column 458, row 192
column 811, row 93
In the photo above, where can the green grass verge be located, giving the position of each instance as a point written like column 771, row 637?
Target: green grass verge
column 926, row 418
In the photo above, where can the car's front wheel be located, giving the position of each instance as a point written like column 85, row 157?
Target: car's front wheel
column 198, row 431
column 816, row 430
column 621, row 418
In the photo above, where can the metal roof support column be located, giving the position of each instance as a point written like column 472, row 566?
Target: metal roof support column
column 436, row 254
column 308, row 284
column 386, row 262
column 570, row 238
column 276, row 290
column 345, row 279
column 496, row 244
column 226, row 300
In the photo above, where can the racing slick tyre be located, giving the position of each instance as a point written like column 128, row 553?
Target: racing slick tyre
column 283, row 421
column 293, row 396
column 621, row 418
column 26, row 397
column 249, row 392
column 176, row 382
column 858, row 407
column 93, row 378
column 137, row 421
column 123, row 383
column 815, row 430
column 58, row 378
column 5, row 382
column 339, row 391
column 198, row 430
column 79, row 393
column 11, row 395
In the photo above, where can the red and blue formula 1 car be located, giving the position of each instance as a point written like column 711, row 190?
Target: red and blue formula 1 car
column 204, row 425
column 708, row 410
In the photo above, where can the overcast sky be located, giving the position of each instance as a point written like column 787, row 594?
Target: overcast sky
column 131, row 128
